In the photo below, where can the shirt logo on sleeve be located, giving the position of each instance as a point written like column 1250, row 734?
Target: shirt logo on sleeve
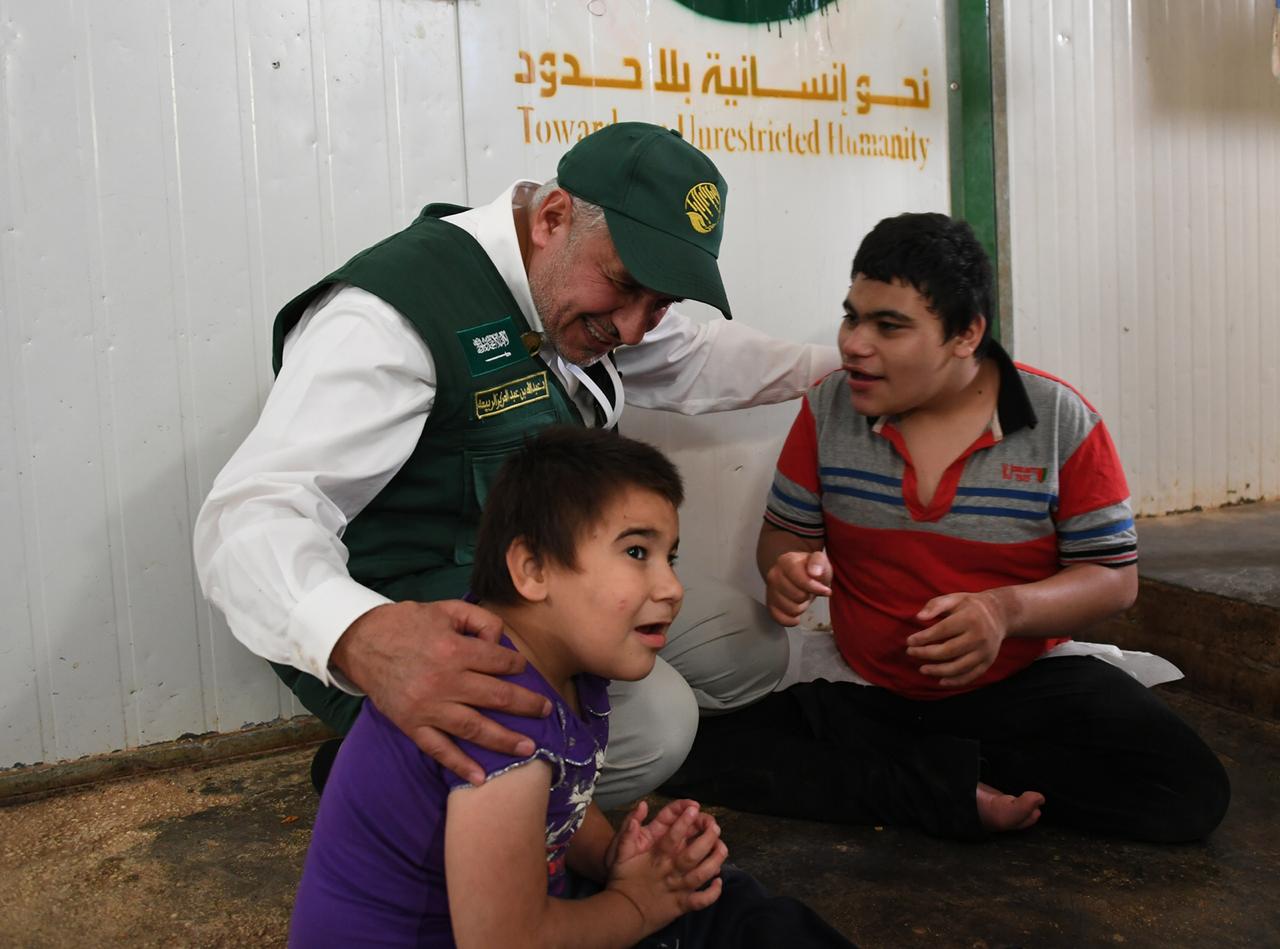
column 512, row 395
column 492, row 346
column 1021, row 473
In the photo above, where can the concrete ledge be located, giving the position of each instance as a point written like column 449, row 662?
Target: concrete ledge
column 19, row 785
column 1229, row 649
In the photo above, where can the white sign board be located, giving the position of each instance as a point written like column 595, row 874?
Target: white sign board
column 821, row 124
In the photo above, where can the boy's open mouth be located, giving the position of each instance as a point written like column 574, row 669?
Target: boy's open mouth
column 653, row 635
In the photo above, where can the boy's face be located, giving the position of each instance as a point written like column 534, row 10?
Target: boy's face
column 893, row 348
column 616, row 606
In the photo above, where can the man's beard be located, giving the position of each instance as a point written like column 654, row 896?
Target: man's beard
column 542, row 288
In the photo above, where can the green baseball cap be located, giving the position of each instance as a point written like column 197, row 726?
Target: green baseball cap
column 663, row 201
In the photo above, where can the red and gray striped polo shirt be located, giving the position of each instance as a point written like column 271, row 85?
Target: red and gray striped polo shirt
column 1041, row 489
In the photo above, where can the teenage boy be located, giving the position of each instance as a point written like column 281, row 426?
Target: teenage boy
column 967, row 515
column 575, row 554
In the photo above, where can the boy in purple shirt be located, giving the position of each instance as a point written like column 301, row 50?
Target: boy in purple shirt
column 575, row 555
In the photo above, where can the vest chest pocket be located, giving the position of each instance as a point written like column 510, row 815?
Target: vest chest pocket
column 481, row 459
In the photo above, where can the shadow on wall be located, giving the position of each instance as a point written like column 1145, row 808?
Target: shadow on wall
column 1205, row 59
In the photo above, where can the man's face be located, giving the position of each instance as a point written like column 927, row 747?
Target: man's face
column 588, row 303
column 892, row 346
column 615, row 605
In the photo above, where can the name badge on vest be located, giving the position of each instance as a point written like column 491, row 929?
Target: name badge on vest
column 492, row 346
column 512, row 395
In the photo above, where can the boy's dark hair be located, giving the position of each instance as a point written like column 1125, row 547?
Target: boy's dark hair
column 552, row 490
column 938, row 255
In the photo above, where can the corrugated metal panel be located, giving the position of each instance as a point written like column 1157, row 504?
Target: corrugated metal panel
column 172, row 173
column 1144, row 149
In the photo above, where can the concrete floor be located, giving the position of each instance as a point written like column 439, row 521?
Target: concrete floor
column 1210, row 602
column 1232, row 552
column 210, row 857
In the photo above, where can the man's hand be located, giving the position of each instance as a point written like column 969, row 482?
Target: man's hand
column 793, row 581
column 424, row 674
column 963, row 644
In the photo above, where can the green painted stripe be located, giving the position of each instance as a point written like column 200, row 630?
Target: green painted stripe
column 755, row 11
column 970, row 116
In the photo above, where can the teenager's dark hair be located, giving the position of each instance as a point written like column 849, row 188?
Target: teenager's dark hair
column 938, row 255
column 552, row 490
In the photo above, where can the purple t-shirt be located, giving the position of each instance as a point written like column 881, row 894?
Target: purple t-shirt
column 374, row 874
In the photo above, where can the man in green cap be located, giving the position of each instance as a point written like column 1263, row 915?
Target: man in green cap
column 339, row 536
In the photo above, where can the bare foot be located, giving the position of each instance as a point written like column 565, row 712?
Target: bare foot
column 1000, row 811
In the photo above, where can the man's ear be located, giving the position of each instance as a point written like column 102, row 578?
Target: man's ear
column 527, row 575
column 552, row 219
column 965, row 343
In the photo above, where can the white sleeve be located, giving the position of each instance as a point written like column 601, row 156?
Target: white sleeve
column 343, row 416
column 691, row 367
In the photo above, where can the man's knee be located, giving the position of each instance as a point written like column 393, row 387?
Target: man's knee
column 651, row 729
column 726, row 646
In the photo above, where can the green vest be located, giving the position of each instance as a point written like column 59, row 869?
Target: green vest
column 416, row 539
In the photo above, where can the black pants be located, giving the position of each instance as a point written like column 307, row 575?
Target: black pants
column 1108, row 755
column 744, row 917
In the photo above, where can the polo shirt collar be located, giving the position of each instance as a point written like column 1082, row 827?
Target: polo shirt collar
column 1014, row 411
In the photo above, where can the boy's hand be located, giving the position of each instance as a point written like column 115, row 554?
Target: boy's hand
column 793, row 581
column 424, row 674
column 638, row 837
column 663, row 875
column 965, row 642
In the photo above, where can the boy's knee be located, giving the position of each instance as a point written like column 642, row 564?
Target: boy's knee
column 1206, row 796
column 651, row 729
column 1215, row 799
column 1191, row 798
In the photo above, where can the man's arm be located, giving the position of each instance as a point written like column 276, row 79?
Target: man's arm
column 965, row 639
column 693, row 367
column 334, row 430
column 344, row 414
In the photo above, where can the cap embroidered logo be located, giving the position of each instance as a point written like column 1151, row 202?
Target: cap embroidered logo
column 702, row 205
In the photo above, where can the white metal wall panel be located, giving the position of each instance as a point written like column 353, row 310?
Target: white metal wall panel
column 136, row 381
column 21, row 724
column 172, row 173
column 1144, row 145
column 53, row 305
column 218, row 306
